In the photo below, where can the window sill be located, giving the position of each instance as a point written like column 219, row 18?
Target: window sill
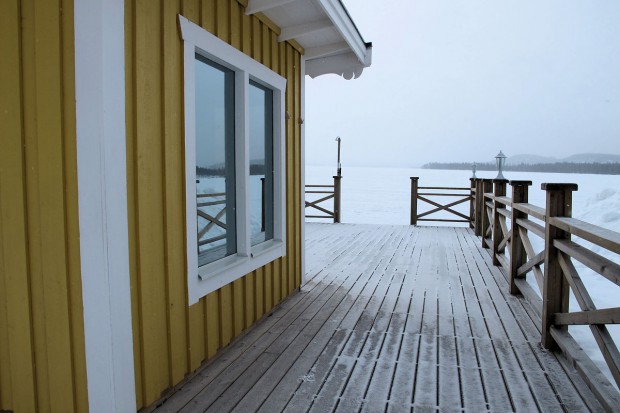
column 217, row 274
column 267, row 247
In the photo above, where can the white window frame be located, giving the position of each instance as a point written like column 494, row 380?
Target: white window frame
column 210, row 277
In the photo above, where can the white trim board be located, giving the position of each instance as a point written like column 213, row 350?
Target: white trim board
column 303, row 170
column 102, row 196
column 346, row 27
column 207, row 278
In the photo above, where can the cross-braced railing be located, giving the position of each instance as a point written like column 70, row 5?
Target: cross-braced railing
column 505, row 225
column 462, row 194
column 326, row 192
column 209, row 209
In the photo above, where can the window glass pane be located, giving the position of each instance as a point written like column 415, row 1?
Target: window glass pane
column 215, row 161
column 261, row 163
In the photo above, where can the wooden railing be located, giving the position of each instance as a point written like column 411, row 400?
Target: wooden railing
column 506, row 224
column 212, row 220
column 216, row 220
column 330, row 191
column 463, row 194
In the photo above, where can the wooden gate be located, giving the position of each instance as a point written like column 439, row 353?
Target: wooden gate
column 330, row 192
column 464, row 194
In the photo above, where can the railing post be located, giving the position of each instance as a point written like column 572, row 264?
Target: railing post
column 518, row 256
column 499, row 189
column 555, row 286
column 414, row 201
column 472, row 202
column 262, row 215
column 487, row 186
column 337, row 179
column 478, row 209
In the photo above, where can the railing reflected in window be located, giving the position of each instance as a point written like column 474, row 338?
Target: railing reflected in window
column 215, row 161
column 261, row 163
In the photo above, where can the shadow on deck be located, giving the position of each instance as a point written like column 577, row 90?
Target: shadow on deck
column 393, row 318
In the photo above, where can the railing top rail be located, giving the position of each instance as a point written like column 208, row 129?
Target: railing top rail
column 453, row 188
column 530, row 209
column 442, row 194
column 210, row 195
column 504, row 200
column 602, row 237
column 319, row 186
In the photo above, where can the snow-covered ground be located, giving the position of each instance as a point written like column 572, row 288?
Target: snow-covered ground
column 382, row 196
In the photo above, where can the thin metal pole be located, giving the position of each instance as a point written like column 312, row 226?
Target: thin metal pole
column 339, row 166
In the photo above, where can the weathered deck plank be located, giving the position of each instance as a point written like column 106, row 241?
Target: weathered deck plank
column 392, row 318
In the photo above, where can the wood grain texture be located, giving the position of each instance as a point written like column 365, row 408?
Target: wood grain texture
column 42, row 356
column 171, row 339
column 393, row 318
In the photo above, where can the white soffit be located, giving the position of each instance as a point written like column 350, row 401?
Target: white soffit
column 324, row 29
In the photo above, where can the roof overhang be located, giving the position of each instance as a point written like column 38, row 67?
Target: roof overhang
column 324, row 29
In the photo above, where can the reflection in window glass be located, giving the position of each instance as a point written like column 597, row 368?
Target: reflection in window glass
column 261, row 163
column 215, row 161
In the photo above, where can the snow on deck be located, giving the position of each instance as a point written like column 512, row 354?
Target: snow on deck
column 393, row 318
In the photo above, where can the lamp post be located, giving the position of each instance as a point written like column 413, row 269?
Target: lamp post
column 337, row 187
column 500, row 160
column 473, row 170
column 338, row 167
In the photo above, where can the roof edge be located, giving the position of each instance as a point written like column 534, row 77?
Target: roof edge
column 343, row 22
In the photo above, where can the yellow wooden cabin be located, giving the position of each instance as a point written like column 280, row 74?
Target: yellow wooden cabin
column 151, row 184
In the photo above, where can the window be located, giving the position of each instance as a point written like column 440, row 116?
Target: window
column 215, row 161
column 234, row 159
column 261, row 163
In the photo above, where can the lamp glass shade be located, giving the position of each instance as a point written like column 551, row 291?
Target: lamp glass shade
column 500, row 160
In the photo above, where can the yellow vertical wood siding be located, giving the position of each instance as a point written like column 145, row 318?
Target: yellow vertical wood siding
column 42, row 360
column 170, row 338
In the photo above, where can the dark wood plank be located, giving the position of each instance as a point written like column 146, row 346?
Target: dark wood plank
column 392, row 318
column 603, row 237
column 561, row 385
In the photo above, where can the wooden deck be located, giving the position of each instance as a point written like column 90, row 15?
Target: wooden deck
column 395, row 318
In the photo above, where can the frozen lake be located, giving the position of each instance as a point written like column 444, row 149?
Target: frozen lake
column 382, row 195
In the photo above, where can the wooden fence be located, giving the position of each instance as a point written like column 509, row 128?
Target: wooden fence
column 216, row 220
column 330, row 192
column 211, row 200
column 464, row 194
column 505, row 225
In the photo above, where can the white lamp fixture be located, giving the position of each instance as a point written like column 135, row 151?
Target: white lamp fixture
column 500, row 160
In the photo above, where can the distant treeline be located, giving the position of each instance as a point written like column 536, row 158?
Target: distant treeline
column 559, row 167
column 201, row 171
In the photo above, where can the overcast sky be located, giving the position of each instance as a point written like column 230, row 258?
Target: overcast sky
column 458, row 80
